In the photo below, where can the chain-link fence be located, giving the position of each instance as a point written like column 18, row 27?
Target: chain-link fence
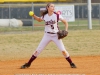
column 18, row 13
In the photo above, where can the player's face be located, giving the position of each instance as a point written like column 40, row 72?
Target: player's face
column 51, row 7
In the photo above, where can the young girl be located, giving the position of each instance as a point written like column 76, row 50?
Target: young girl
column 51, row 29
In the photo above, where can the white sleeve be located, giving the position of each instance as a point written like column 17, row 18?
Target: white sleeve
column 60, row 17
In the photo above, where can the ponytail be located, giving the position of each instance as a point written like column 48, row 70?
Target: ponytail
column 46, row 11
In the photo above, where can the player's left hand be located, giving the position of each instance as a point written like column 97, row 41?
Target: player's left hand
column 62, row 33
column 31, row 13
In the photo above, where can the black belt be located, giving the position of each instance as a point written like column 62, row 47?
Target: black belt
column 51, row 33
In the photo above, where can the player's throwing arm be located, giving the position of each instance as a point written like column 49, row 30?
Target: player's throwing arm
column 31, row 13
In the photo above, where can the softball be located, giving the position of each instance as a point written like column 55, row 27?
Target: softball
column 31, row 13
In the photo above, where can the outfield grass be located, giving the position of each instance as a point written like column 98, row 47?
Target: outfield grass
column 22, row 45
column 79, row 24
column 41, row 28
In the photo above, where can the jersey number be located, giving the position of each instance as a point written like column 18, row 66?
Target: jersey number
column 52, row 27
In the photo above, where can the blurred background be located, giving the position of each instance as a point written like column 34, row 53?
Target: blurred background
column 14, row 14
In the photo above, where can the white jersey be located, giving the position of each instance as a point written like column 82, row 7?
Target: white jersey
column 51, row 24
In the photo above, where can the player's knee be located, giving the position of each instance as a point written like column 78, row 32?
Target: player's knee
column 36, row 53
column 65, row 53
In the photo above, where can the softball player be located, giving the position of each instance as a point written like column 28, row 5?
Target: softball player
column 50, row 34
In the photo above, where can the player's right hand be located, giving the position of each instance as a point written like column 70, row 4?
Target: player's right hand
column 31, row 13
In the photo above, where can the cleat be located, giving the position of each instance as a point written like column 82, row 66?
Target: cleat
column 26, row 65
column 72, row 65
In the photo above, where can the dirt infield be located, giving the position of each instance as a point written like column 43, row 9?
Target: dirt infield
column 82, row 45
column 86, row 65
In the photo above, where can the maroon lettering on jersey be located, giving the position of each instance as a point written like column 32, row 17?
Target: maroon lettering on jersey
column 50, row 22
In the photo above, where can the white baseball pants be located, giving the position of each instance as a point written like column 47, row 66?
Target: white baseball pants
column 48, row 38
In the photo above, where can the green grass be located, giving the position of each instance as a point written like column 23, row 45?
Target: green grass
column 41, row 28
column 79, row 24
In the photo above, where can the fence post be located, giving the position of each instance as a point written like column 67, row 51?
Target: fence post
column 89, row 14
column 2, row 12
column 9, row 15
column 99, row 13
column 32, row 17
column 78, row 15
column 82, row 11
